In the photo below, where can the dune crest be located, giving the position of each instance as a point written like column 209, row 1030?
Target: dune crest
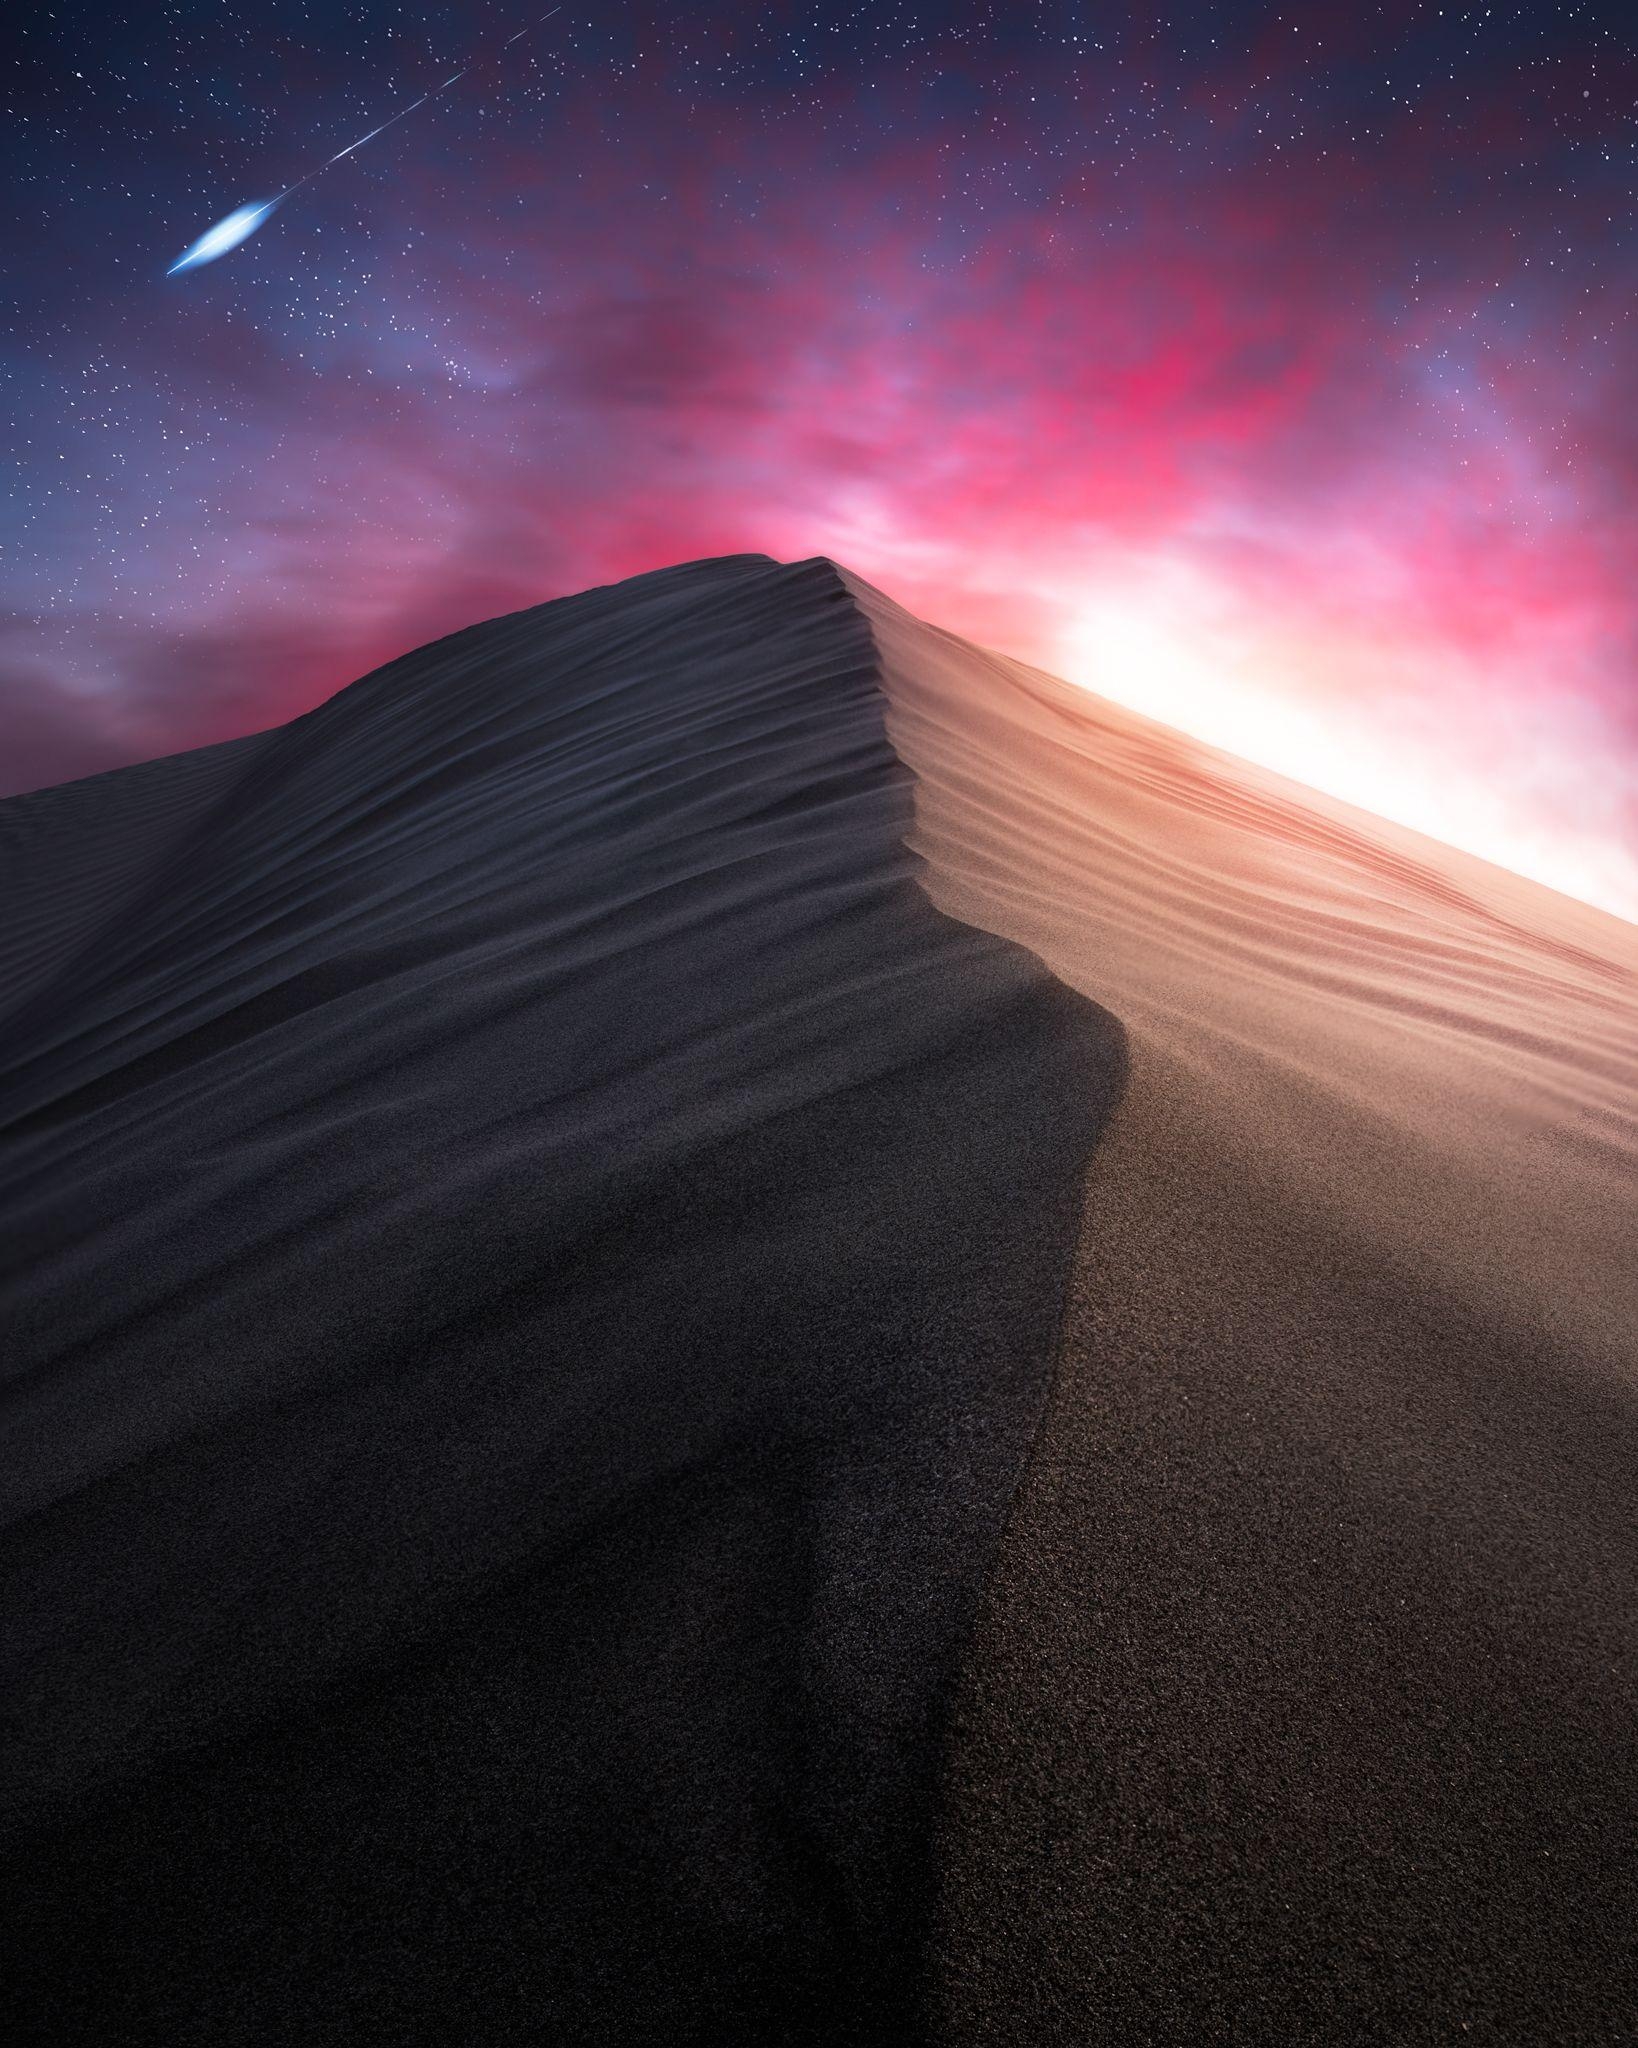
column 1302, row 1707
column 540, row 1254
column 731, row 1323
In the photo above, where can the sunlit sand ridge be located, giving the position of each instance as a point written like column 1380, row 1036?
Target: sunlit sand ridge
column 727, row 1323
column 1302, row 1708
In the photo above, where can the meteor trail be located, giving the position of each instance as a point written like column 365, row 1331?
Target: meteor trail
column 243, row 221
column 374, row 132
column 227, row 234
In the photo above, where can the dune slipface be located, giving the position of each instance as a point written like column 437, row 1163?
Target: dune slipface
column 535, row 1256
column 535, row 1508
column 1303, row 1704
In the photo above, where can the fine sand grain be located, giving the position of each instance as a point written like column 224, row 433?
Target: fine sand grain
column 1305, row 1703
column 627, row 1423
column 540, row 1256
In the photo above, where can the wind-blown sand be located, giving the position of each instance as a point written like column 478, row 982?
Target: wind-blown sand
column 548, row 1194
column 541, row 1256
column 1305, row 1705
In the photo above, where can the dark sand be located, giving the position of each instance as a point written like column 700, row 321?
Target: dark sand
column 1305, row 1704
column 532, row 1514
column 535, row 1257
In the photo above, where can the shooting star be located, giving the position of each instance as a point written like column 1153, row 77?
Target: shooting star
column 243, row 221
column 374, row 132
column 227, row 234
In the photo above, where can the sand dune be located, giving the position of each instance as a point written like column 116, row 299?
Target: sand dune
column 1303, row 1707
column 541, row 1253
column 618, row 1432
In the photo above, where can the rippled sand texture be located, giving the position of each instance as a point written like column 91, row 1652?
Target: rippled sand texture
column 1305, row 1705
column 530, row 1512
column 534, row 1255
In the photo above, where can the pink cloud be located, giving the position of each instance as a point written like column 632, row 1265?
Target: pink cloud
column 733, row 343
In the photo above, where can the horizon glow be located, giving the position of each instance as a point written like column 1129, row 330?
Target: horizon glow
column 1272, row 375
column 1242, row 692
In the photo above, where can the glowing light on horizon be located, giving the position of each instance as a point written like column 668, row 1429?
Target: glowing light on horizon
column 1169, row 644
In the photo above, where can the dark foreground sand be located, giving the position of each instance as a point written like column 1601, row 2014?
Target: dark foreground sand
column 530, row 1511
column 541, row 1251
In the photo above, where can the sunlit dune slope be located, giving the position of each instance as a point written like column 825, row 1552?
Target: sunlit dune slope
column 1303, row 1707
column 728, row 1323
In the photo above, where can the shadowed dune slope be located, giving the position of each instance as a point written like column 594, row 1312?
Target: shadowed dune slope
column 1303, row 1704
column 534, row 1256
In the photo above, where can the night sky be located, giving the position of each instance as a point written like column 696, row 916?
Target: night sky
column 1274, row 371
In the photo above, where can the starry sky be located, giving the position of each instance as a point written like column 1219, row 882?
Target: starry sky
column 1271, row 370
